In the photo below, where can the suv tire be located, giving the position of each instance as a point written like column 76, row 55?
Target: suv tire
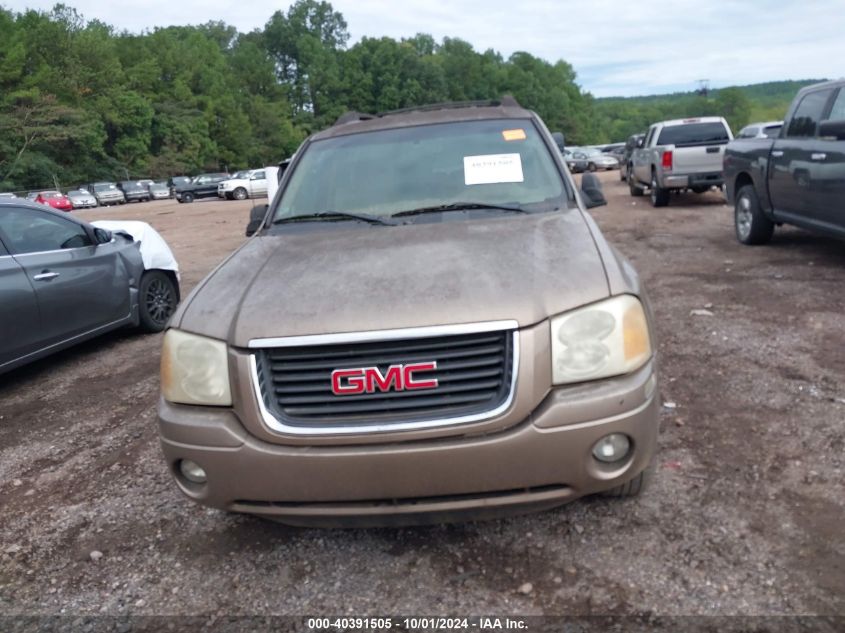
column 629, row 489
column 751, row 225
column 659, row 196
column 239, row 194
column 187, row 197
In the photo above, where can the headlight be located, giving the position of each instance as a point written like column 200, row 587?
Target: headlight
column 194, row 370
column 605, row 339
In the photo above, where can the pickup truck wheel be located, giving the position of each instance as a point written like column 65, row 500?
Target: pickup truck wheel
column 752, row 227
column 629, row 489
column 187, row 197
column 158, row 299
column 659, row 196
column 239, row 193
column 634, row 188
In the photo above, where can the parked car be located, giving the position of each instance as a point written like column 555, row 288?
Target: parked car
column 7, row 196
column 159, row 191
column 455, row 313
column 32, row 195
column 134, row 191
column 575, row 159
column 146, row 182
column 81, row 199
column 797, row 178
column 243, row 185
column 63, row 281
column 55, row 199
column 677, row 155
column 107, row 193
column 597, row 159
column 634, row 141
column 203, row 186
column 177, row 181
column 770, row 129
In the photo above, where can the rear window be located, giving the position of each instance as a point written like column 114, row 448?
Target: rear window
column 691, row 134
column 502, row 162
column 772, row 131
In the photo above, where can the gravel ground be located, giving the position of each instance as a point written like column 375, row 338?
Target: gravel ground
column 743, row 514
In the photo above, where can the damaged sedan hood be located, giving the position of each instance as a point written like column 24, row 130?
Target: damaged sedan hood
column 352, row 277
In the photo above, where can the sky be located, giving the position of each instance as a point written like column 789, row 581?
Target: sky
column 617, row 47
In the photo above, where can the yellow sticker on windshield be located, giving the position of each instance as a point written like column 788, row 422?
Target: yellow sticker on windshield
column 514, row 135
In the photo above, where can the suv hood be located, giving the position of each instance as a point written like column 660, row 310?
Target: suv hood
column 340, row 279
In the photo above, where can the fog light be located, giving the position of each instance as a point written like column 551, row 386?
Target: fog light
column 192, row 471
column 612, row 448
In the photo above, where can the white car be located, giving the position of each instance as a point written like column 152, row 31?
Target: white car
column 243, row 185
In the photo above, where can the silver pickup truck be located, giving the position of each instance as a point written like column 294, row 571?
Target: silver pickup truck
column 677, row 155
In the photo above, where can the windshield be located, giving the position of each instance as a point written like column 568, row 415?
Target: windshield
column 502, row 162
column 131, row 186
column 592, row 151
column 50, row 194
column 690, row 134
column 106, row 187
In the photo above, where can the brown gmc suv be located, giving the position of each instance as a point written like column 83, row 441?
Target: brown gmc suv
column 426, row 325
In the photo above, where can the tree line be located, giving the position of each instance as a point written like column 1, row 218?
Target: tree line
column 81, row 101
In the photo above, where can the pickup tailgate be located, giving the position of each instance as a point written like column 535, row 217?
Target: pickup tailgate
column 697, row 145
column 697, row 160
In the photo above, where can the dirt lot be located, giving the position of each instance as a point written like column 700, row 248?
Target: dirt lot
column 744, row 514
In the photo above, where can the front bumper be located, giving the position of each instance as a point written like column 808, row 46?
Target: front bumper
column 543, row 461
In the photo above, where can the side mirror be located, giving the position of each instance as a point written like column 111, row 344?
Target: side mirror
column 832, row 129
column 593, row 196
column 102, row 236
column 256, row 219
column 640, row 142
column 559, row 140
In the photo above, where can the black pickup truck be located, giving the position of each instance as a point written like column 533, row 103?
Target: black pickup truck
column 203, row 186
column 797, row 178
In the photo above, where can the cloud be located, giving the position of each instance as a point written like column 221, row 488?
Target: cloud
column 617, row 48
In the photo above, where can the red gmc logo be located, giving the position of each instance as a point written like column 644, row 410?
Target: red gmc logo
column 346, row 382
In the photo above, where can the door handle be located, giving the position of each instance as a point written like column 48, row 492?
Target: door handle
column 777, row 153
column 818, row 156
column 45, row 276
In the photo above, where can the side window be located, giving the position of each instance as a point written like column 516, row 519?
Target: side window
column 28, row 231
column 259, row 175
column 837, row 112
column 805, row 121
column 648, row 138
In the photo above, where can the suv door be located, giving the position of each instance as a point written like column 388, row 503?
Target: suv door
column 796, row 159
column 19, row 318
column 80, row 286
column 258, row 184
column 830, row 173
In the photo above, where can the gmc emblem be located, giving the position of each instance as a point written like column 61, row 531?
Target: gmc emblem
column 347, row 382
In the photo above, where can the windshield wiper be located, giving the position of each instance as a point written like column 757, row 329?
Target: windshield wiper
column 459, row 206
column 335, row 215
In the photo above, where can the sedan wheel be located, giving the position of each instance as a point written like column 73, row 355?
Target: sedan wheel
column 158, row 300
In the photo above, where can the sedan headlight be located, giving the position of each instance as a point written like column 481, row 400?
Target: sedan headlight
column 194, row 370
column 609, row 338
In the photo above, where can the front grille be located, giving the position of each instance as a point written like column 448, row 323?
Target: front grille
column 474, row 373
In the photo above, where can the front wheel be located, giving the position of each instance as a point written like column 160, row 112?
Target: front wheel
column 633, row 186
column 239, row 193
column 158, row 298
column 629, row 489
column 591, row 167
column 752, row 226
column 187, row 197
column 659, row 195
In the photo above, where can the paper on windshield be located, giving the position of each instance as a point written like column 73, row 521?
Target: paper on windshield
column 489, row 169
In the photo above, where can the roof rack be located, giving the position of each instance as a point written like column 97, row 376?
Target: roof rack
column 352, row 117
column 507, row 101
